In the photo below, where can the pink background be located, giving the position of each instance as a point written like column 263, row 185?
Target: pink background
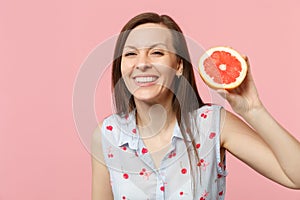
column 43, row 44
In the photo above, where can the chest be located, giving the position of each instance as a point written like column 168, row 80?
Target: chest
column 136, row 175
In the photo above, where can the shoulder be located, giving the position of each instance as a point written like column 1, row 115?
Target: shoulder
column 114, row 129
column 108, row 124
column 103, row 126
column 117, row 120
column 206, row 120
column 208, row 114
column 102, row 137
column 207, row 109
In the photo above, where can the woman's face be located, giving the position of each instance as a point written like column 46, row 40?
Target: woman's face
column 149, row 63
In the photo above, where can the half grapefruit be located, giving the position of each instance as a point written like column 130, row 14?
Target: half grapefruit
column 222, row 68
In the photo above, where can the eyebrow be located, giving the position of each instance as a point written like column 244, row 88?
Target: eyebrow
column 152, row 46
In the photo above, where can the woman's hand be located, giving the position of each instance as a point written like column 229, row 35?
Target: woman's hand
column 244, row 98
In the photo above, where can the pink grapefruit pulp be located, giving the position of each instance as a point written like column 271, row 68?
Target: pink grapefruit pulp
column 222, row 68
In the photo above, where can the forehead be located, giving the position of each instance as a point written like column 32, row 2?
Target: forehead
column 147, row 35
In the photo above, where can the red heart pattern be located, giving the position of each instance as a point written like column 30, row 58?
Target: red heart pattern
column 212, row 135
column 110, row 128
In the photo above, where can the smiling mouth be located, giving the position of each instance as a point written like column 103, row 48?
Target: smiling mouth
column 146, row 79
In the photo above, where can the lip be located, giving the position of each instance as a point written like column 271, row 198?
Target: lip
column 152, row 81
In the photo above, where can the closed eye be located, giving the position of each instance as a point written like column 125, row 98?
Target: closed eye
column 129, row 54
column 158, row 53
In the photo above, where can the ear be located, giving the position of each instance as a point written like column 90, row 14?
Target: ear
column 179, row 68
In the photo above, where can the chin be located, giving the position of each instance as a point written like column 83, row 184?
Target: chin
column 158, row 97
column 145, row 97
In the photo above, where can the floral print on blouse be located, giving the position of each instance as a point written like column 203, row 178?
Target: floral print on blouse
column 134, row 176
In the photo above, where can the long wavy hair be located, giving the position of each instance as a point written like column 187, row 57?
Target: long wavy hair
column 186, row 97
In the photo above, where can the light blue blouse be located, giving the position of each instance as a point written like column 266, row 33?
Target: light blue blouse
column 133, row 174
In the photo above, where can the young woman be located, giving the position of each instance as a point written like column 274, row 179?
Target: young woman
column 163, row 142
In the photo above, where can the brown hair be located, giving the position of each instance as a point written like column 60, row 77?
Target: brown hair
column 186, row 98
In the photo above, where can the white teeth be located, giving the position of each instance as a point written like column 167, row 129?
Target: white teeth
column 145, row 79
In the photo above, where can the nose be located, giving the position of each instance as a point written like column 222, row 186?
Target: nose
column 143, row 62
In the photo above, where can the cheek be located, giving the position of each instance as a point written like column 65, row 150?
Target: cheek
column 169, row 73
column 126, row 72
column 126, row 68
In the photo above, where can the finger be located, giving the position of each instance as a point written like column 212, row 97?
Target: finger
column 247, row 60
column 245, row 57
column 249, row 73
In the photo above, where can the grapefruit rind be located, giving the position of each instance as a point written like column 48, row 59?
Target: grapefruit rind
column 210, row 81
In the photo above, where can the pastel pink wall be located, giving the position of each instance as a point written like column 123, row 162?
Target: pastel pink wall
column 44, row 43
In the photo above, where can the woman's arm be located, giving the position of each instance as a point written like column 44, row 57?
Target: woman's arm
column 266, row 147
column 101, row 187
column 279, row 162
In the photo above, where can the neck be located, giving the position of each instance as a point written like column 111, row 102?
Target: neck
column 152, row 119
